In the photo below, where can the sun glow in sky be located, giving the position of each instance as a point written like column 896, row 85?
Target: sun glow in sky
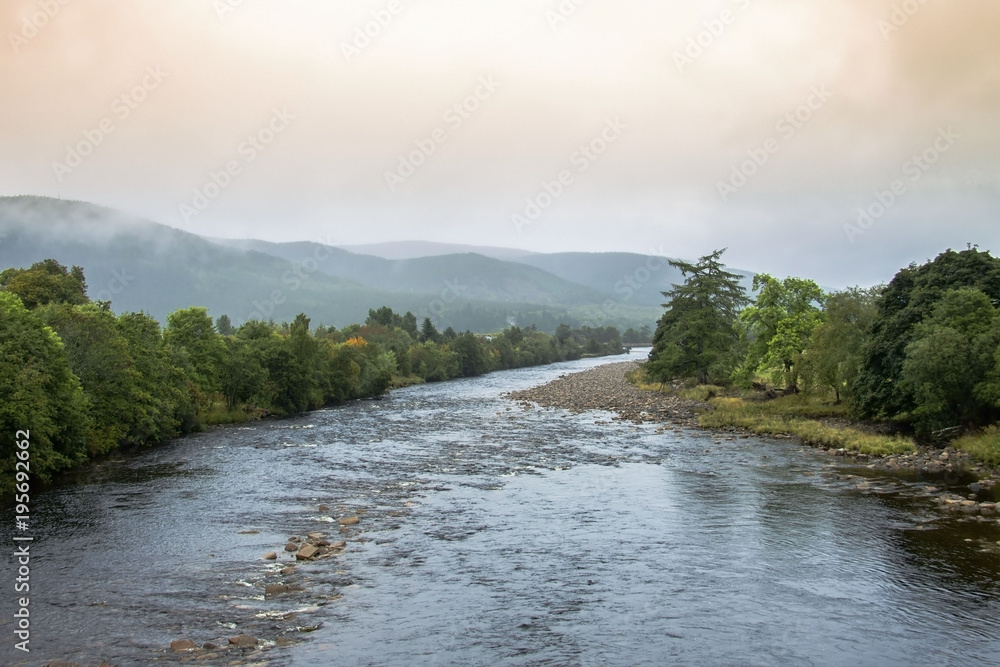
column 837, row 141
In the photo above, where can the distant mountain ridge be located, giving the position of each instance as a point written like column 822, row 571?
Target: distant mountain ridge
column 416, row 249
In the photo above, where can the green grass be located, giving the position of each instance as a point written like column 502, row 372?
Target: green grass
column 794, row 415
column 983, row 446
column 400, row 381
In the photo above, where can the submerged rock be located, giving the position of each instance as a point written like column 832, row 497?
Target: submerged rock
column 182, row 645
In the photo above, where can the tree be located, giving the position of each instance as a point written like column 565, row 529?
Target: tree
column 38, row 393
column 428, row 332
column 697, row 336
column 98, row 354
column 46, row 282
column 908, row 300
column 224, row 326
column 949, row 366
column 472, row 357
column 160, row 386
column 191, row 329
column 779, row 324
column 833, row 355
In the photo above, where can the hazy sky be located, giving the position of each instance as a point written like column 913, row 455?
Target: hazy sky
column 332, row 134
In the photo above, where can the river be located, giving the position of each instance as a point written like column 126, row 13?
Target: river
column 496, row 535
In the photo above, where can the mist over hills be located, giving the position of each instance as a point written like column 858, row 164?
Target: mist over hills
column 468, row 275
column 138, row 264
column 415, row 249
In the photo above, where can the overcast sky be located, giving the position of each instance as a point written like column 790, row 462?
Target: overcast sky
column 332, row 134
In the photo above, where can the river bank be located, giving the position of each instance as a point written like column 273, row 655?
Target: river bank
column 607, row 388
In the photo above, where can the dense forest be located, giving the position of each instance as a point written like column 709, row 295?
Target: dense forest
column 86, row 381
column 922, row 353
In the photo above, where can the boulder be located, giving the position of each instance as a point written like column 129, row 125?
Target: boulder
column 287, row 570
column 275, row 589
column 243, row 640
column 291, row 546
column 182, row 645
column 349, row 520
column 307, row 552
column 270, row 555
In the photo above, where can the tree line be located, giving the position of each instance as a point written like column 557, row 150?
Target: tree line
column 86, row 381
column 922, row 352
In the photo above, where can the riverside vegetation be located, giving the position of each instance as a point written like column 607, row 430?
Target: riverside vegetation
column 876, row 371
column 86, row 381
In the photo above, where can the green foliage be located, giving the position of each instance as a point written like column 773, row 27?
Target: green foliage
column 696, row 336
column 778, row 327
column 224, row 326
column 45, row 282
column 428, row 332
column 950, row 364
column 192, row 331
column 98, row 354
column 38, row 393
column 908, row 300
column 833, row 355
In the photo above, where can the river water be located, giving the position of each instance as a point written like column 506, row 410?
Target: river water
column 495, row 535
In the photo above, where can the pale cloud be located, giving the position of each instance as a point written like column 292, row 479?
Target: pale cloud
column 657, row 184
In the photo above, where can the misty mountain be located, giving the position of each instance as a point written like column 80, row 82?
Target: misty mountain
column 415, row 249
column 142, row 265
column 630, row 278
column 467, row 275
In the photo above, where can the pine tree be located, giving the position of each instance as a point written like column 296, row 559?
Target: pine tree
column 697, row 335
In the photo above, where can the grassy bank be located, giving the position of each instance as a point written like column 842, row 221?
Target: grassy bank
column 983, row 447
column 800, row 417
column 807, row 418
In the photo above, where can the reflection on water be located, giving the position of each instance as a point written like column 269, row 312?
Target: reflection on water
column 497, row 535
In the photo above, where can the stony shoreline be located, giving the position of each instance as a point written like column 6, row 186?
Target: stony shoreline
column 605, row 388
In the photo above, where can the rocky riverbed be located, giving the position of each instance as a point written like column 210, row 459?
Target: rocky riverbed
column 605, row 388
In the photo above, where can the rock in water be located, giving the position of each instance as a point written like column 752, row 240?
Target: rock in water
column 182, row 645
column 270, row 555
column 349, row 520
column 307, row 552
column 243, row 640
